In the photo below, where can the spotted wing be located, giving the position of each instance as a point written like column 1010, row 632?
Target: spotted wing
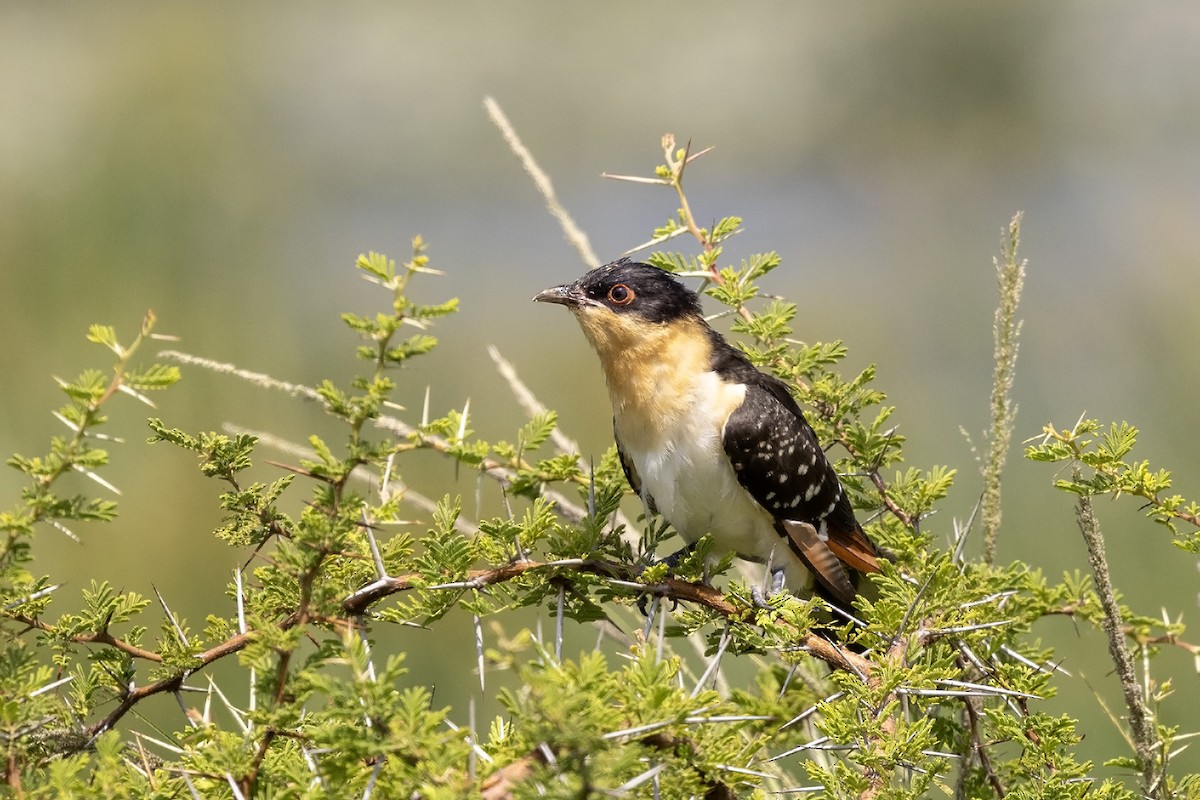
column 778, row 460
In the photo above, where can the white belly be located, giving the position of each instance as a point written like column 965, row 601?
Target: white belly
column 693, row 485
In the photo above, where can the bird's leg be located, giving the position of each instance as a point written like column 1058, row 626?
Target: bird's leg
column 673, row 560
column 773, row 583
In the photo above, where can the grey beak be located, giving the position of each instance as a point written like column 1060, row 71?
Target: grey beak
column 567, row 295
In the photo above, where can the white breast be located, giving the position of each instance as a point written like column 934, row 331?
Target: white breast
column 682, row 465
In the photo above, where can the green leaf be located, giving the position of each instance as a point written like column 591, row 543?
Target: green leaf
column 156, row 376
column 105, row 335
column 376, row 265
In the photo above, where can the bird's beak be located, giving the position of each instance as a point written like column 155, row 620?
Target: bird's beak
column 566, row 295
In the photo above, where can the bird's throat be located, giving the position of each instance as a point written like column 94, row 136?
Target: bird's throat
column 651, row 370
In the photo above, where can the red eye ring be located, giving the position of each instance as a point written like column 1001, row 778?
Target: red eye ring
column 621, row 295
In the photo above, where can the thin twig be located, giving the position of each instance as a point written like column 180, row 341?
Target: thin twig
column 575, row 235
column 1141, row 721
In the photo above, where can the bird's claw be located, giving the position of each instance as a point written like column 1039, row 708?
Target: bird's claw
column 761, row 595
column 671, row 561
column 643, row 601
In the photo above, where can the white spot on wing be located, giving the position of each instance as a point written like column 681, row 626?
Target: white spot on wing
column 813, row 488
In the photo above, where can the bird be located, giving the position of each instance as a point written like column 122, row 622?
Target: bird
column 710, row 442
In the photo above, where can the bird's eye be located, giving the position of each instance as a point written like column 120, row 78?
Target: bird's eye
column 620, row 295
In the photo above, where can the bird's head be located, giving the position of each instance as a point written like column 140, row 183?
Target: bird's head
column 647, row 329
column 625, row 303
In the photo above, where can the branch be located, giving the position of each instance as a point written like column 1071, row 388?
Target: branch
column 671, row 588
column 1141, row 723
column 102, row 637
column 541, row 180
column 355, row 605
column 872, row 472
column 172, row 682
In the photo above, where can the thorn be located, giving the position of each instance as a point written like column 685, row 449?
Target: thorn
column 479, row 652
column 51, row 686
column 65, row 421
column 975, row 660
column 657, row 240
column 981, row 691
column 178, row 630
column 384, row 494
column 233, row 710
column 136, row 395
column 567, row 562
column 662, row 632
column 504, row 498
column 31, row 597
column 787, row 681
column 191, row 787
column 1001, row 596
column 637, row 730
column 961, row 542
column 312, row 767
column 639, row 587
column 380, row 570
column 635, row 179
column 164, row 745
column 846, row 615
column 374, row 777
column 711, row 669
column 206, row 716
column 64, row 530
column 462, row 422
column 808, row 712
column 188, row 714
column 815, row 743
column 366, row 643
column 558, row 623
column 1047, row 669
column 968, row 628
column 650, row 616
column 241, row 603
column 992, row 689
column 425, row 408
column 939, row 754
column 640, row 779
column 743, row 771
column 97, row 479
column 591, row 487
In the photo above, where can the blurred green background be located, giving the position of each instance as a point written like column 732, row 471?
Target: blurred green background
column 223, row 164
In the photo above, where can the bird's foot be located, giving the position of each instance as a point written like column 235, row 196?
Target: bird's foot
column 671, row 562
column 772, row 585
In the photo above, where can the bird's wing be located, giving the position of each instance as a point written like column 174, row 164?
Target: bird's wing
column 778, row 460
